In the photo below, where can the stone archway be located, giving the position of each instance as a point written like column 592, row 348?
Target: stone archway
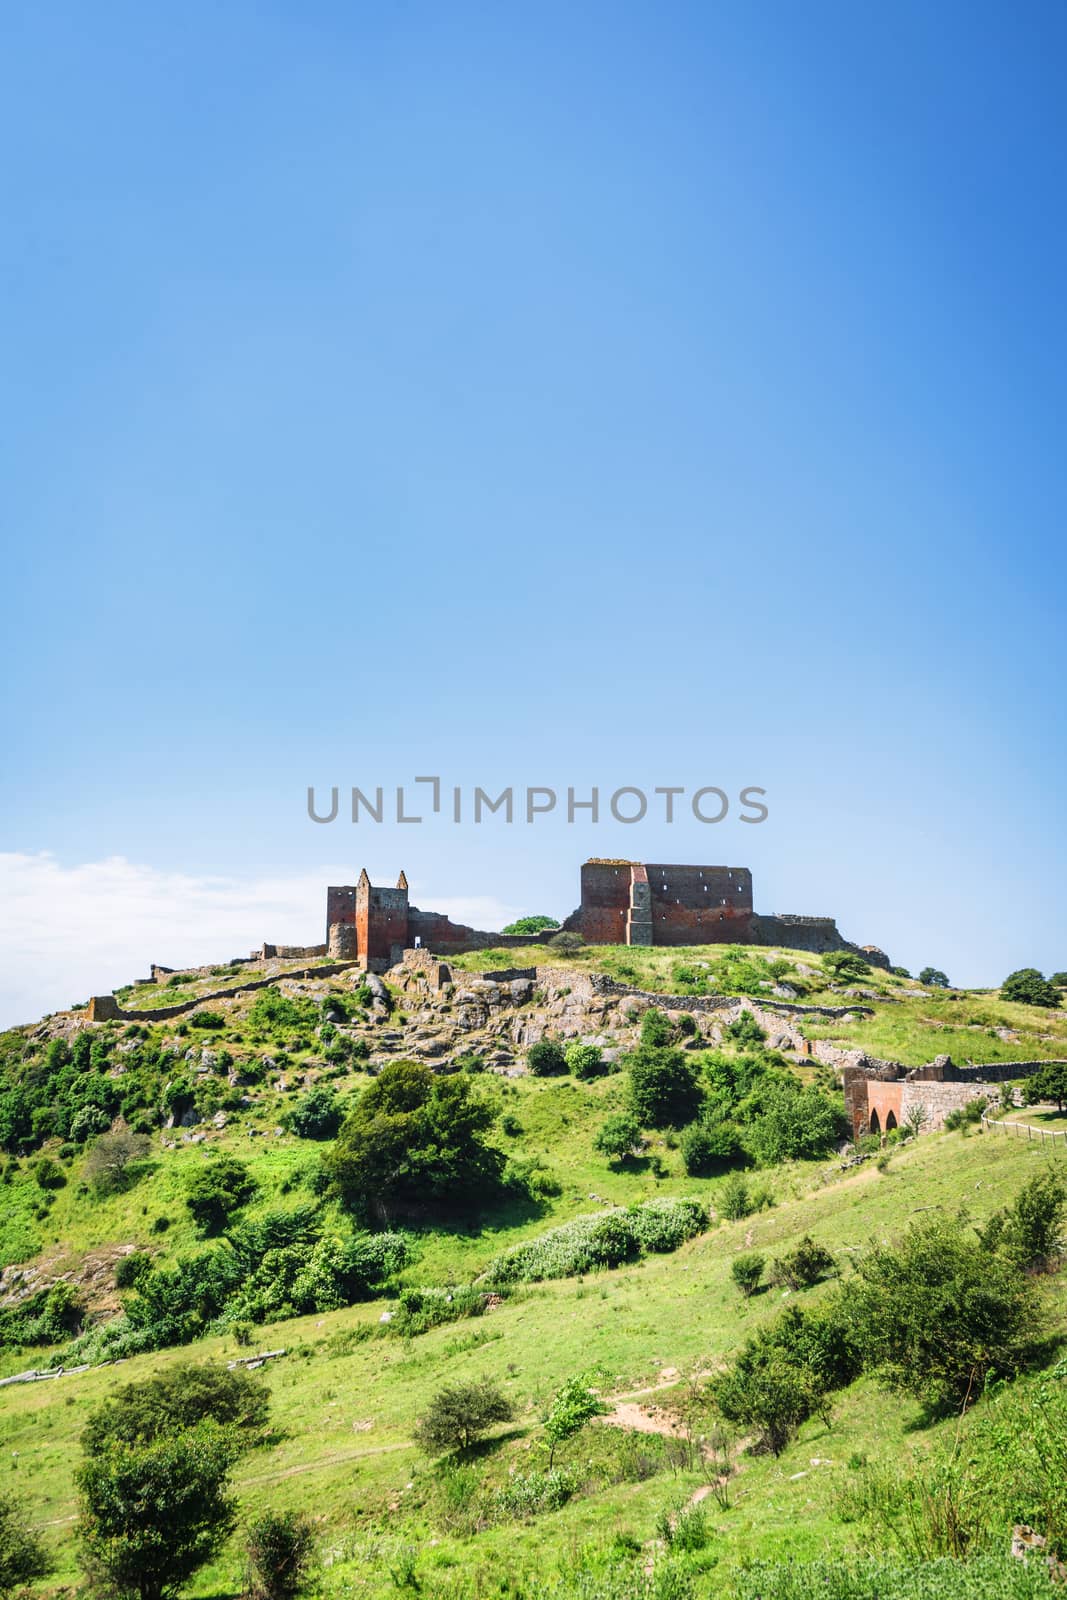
column 890, row 1122
column 875, row 1126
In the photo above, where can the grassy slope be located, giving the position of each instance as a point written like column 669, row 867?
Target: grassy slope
column 678, row 1311
column 367, row 1483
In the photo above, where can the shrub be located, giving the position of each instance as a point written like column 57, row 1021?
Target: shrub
column 217, row 1191
column 806, row 1264
column 735, row 1201
column 1030, row 1230
column 111, row 1164
column 526, row 1494
column 710, row 1147
column 746, row 1032
column 459, row 1414
column 1027, row 987
column 603, row 1239
column 966, row 1116
column 546, row 1058
column 783, row 1374
column 152, row 1516
column 316, row 1115
column 938, row 1313
column 566, row 942
column 573, row 1406
column 48, row 1174
column 22, row 1555
column 207, row 1019
column 933, row 978
column 664, row 1088
column 584, row 1060
column 619, row 1136
column 129, row 1270
column 794, row 1124
column 747, row 1271
column 280, row 1544
column 844, row 966
column 176, row 1400
column 656, row 1028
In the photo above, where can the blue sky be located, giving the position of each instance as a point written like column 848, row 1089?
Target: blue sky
column 648, row 395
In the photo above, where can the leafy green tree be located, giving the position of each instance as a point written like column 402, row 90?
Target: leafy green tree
column 218, row 1190
column 619, row 1136
column 415, row 1139
column 1027, row 987
column 1047, row 1083
column 316, row 1115
column 177, row 1399
column 460, row 1414
column 154, row 1514
column 574, row 1405
column 773, row 1397
column 584, row 1060
column 528, row 925
column 746, row 1270
column 937, row 1313
column 546, row 1058
column 22, row 1555
column 735, row 1201
column 933, row 978
column 280, row 1546
column 664, row 1087
column 794, row 1124
column 1058, row 980
column 111, row 1163
column 845, row 966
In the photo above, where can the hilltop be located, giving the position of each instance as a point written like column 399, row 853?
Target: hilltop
column 265, row 1075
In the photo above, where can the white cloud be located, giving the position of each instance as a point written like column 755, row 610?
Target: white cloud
column 69, row 932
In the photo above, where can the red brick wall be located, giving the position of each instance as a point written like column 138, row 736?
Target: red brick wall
column 700, row 905
column 605, row 901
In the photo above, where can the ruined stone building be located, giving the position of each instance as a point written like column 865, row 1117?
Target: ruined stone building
column 622, row 902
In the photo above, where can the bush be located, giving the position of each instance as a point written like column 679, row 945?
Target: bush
column 546, row 1058
column 966, row 1116
column 176, row 1400
column 738, row 1198
column 600, row 1240
column 1030, row 1231
column 217, row 1191
column 933, row 978
column 574, row 1405
column 207, row 1019
column 528, row 925
column 806, row 1264
column 794, row 1124
column 22, row 1555
column 566, row 942
column 747, row 1271
column 664, row 1088
column 710, row 1147
column 316, row 1115
column 939, row 1314
column 584, row 1060
column 111, row 1164
column 745, row 1033
column 784, row 1373
column 48, row 1174
column 526, row 1494
column 129, row 1270
column 280, row 1544
column 656, row 1028
column 459, row 1414
column 619, row 1136
column 1027, row 987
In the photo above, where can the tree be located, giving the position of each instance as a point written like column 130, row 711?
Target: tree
column 747, row 1271
column 415, row 1139
column 528, row 925
column 546, row 1058
column 109, row 1165
column 773, row 1396
column 1048, row 1083
column 566, row 942
column 933, row 978
column 845, row 966
column 218, row 1190
column 618, row 1137
column 280, row 1544
column 937, row 1314
column 316, row 1115
column 152, row 1515
column 1027, row 987
column 664, row 1088
column 460, row 1413
column 22, row 1555
column 574, row 1405
column 173, row 1401
column 1058, row 980
column 794, row 1124
column 584, row 1060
